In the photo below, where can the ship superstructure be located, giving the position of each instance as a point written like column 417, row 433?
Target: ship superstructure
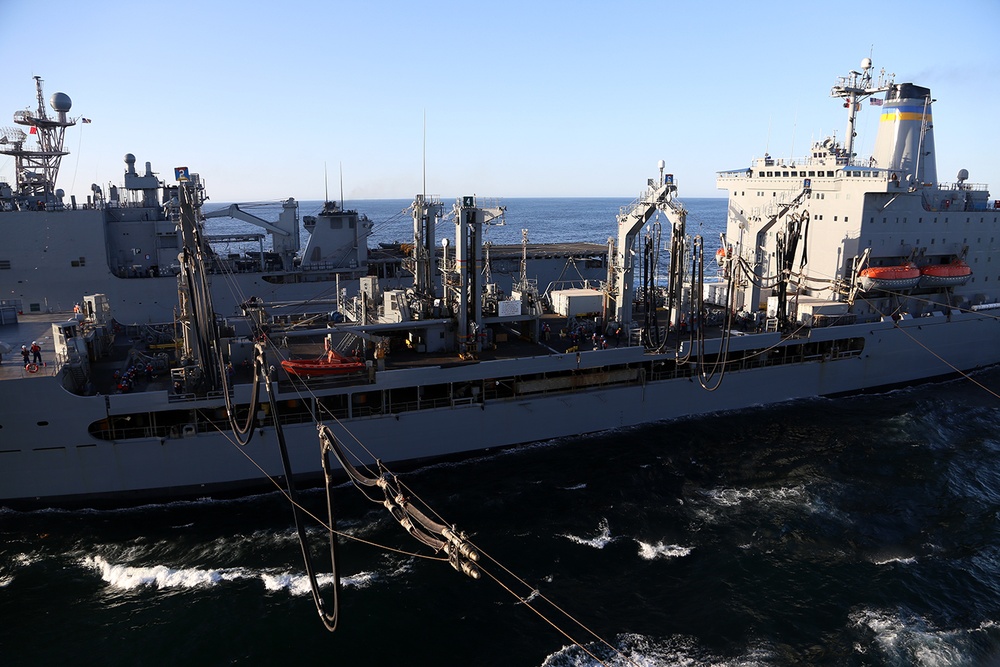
column 124, row 239
column 804, row 229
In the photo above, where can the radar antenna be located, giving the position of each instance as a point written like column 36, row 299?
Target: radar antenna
column 36, row 170
column 855, row 87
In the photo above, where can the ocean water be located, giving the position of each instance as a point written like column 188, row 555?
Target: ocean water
column 852, row 531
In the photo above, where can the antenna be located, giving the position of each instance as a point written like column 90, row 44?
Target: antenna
column 425, row 156
column 342, row 185
column 795, row 124
column 326, row 184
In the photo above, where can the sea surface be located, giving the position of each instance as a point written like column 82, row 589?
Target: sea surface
column 851, row 531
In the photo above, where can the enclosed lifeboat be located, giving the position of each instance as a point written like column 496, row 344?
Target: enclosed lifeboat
column 945, row 275
column 903, row 276
column 329, row 364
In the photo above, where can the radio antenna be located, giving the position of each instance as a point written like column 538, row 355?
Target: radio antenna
column 425, row 155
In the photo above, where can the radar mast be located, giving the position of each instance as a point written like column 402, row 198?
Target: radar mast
column 37, row 169
column 855, row 87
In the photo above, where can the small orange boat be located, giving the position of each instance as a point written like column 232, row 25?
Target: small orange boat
column 945, row 275
column 329, row 364
column 903, row 276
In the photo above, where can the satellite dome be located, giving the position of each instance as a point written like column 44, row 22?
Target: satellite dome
column 963, row 175
column 866, row 63
column 60, row 102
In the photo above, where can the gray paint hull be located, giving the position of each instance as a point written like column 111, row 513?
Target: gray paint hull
column 47, row 456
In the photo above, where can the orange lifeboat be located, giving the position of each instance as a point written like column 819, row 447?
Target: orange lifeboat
column 332, row 363
column 945, row 275
column 903, row 276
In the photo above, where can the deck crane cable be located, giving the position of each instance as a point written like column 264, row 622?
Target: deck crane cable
column 929, row 302
column 675, row 289
column 420, row 526
column 462, row 554
column 705, row 378
column 329, row 618
column 786, row 245
column 243, row 432
column 727, row 330
column 533, row 591
column 962, row 373
column 324, row 524
column 425, row 530
column 650, row 328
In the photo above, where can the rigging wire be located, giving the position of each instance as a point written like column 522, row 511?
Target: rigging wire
column 433, row 533
column 937, row 356
column 289, row 494
column 329, row 618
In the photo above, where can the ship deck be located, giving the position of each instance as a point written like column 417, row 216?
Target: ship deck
column 510, row 344
column 29, row 327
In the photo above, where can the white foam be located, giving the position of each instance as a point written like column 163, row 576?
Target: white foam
column 127, row 577
column 660, row 550
column 638, row 650
column 575, row 487
column 294, row 584
column 602, row 540
column 25, row 559
column 889, row 560
column 5, row 580
column 910, row 639
column 736, row 497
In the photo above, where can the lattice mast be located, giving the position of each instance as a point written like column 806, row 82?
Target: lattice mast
column 37, row 169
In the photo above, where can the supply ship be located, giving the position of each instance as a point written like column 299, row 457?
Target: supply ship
column 124, row 239
column 838, row 273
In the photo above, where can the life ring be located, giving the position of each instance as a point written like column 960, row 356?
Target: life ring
column 31, row 368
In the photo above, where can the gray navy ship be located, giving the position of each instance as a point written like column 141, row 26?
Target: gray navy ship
column 838, row 273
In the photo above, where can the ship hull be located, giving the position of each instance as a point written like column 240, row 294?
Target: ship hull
column 48, row 457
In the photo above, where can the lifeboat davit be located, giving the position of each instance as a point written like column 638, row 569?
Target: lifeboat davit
column 903, row 276
column 945, row 275
column 330, row 364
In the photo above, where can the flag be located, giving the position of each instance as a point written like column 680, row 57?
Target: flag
column 875, row 102
column 33, row 130
column 84, row 120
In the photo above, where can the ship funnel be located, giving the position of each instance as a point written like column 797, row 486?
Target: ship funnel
column 905, row 142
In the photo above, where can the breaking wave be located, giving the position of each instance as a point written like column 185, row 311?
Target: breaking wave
column 600, row 541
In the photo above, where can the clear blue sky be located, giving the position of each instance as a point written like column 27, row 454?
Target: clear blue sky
column 521, row 98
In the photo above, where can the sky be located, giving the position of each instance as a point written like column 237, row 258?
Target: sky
column 270, row 100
